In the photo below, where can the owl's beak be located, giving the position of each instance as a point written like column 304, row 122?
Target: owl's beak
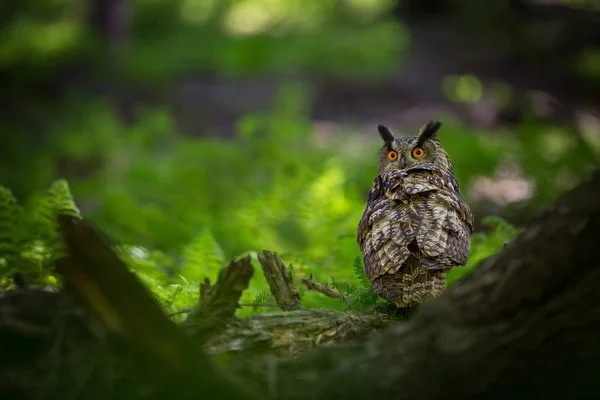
column 403, row 162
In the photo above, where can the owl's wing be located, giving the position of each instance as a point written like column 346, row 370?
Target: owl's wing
column 384, row 233
column 458, row 244
column 446, row 223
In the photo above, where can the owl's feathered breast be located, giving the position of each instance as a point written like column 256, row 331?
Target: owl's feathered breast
column 416, row 212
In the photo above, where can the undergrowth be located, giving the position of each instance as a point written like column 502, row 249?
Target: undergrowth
column 30, row 244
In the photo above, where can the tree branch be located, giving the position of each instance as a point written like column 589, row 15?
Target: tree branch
column 323, row 289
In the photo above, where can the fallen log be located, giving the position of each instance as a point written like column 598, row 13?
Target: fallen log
column 291, row 332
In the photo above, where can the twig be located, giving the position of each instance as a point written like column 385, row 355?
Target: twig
column 280, row 282
column 324, row 289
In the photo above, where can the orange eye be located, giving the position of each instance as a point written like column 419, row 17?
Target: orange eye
column 392, row 155
column 418, row 152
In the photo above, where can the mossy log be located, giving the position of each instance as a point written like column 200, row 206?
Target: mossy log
column 286, row 335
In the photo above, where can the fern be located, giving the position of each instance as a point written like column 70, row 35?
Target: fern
column 62, row 204
column 56, row 200
column 29, row 240
column 360, row 273
column 202, row 255
column 357, row 298
column 344, row 287
column 62, row 200
column 262, row 299
column 43, row 224
column 363, row 300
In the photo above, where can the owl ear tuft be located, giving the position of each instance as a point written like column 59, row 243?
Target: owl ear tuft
column 385, row 133
column 428, row 131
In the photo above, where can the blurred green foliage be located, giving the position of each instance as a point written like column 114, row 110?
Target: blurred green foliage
column 177, row 207
column 29, row 240
column 44, row 45
column 273, row 186
column 30, row 244
column 181, row 207
column 233, row 37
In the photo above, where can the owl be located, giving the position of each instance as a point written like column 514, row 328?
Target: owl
column 416, row 226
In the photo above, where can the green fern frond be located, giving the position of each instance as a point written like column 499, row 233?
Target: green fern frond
column 43, row 221
column 43, row 224
column 345, row 288
column 62, row 199
column 29, row 241
column 365, row 300
column 202, row 256
column 357, row 298
column 360, row 273
column 263, row 298
column 10, row 214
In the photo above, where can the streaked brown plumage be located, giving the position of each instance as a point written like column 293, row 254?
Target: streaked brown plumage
column 416, row 226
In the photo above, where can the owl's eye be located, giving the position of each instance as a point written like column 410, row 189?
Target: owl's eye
column 392, row 155
column 418, row 152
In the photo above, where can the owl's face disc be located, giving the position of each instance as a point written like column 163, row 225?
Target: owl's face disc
column 413, row 152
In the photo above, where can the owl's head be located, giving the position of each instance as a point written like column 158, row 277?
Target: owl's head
column 415, row 152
